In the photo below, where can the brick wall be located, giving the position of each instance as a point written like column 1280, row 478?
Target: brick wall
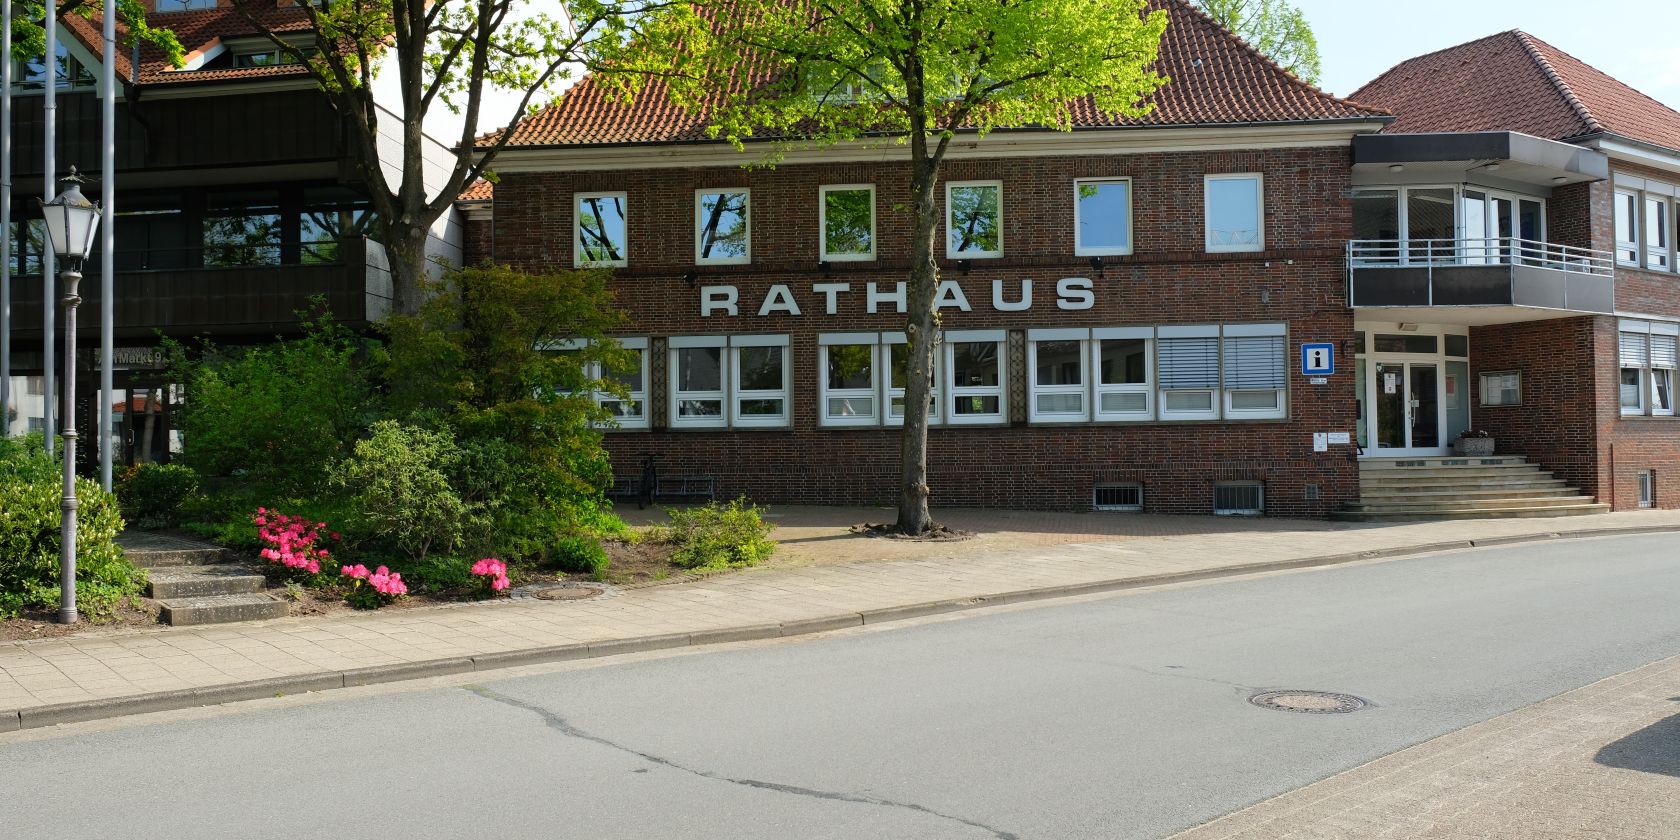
column 1299, row 281
column 475, row 245
column 1558, row 423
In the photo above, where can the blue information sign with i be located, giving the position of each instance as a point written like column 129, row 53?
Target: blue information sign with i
column 1318, row 359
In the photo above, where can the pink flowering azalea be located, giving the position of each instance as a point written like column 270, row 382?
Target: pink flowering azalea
column 291, row 541
column 494, row 572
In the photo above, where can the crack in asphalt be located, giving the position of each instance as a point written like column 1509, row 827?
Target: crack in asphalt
column 565, row 727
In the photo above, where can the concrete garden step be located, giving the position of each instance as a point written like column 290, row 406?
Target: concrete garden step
column 194, row 581
column 1386, row 506
column 1483, row 513
column 218, row 609
column 161, row 551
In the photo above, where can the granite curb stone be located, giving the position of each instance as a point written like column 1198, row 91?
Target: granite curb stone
column 79, row 711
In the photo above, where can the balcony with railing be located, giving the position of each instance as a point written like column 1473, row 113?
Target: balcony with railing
column 1486, row 272
column 222, row 289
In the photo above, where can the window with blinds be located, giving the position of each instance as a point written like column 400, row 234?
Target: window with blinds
column 1633, row 349
column 1189, row 375
column 1255, row 375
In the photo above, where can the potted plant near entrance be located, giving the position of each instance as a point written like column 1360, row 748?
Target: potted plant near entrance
column 1474, row 443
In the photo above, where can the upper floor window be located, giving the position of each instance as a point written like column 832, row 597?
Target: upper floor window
column 846, row 215
column 267, row 56
column 71, row 73
column 1235, row 212
column 1656, row 232
column 184, row 5
column 1627, row 227
column 974, row 219
column 1102, row 216
column 722, row 226
column 599, row 236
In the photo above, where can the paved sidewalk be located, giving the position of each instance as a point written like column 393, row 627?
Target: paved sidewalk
column 1599, row 762
column 80, row 678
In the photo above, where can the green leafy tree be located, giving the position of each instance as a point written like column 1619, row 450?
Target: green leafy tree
column 445, row 53
column 29, row 39
column 1274, row 27
column 918, row 71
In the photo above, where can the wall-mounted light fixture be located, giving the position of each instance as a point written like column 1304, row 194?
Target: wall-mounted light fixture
column 963, row 266
column 824, row 267
column 1558, row 179
column 1396, row 167
column 1097, row 265
column 689, row 277
column 1408, row 327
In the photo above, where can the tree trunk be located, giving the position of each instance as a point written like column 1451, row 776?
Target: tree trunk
column 921, row 328
column 405, row 248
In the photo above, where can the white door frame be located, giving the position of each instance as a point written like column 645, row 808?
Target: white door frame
column 1372, row 383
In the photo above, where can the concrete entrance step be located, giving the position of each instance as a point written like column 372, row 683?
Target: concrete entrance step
column 197, row 581
column 1442, row 505
column 1485, row 513
column 1405, row 473
column 218, row 609
column 1518, row 491
column 1441, row 461
column 1425, row 482
column 158, row 551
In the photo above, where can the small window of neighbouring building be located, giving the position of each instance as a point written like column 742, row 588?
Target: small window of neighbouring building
column 1647, row 489
column 1118, row 496
column 1239, row 498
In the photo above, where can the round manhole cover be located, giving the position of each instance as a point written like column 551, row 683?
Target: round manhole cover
column 567, row 593
column 1309, row 702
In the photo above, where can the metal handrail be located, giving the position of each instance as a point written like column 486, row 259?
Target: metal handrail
column 1501, row 250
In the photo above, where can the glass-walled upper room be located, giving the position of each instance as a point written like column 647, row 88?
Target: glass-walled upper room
column 1456, row 225
column 214, row 228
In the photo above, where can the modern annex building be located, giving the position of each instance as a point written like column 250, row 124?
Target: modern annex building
column 1234, row 304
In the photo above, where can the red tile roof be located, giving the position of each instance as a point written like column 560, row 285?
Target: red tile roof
column 1514, row 81
column 480, row 190
column 197, row 31
column 1216, row 78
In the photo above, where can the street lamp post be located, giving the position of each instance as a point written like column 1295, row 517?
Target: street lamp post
column 71, row 221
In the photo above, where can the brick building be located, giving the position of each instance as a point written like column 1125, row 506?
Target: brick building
column 1128, row 308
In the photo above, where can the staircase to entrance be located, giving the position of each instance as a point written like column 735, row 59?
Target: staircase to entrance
column 198, row 583
column 1496, row 487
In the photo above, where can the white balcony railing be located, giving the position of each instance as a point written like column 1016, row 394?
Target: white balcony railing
column 1435, row 253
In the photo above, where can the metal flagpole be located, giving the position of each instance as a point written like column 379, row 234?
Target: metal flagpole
column 107, row 242
column 49, row 284
column 6, row 217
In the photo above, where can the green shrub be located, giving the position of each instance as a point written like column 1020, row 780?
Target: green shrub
column 396, row 478
column 715, row 536
column 580, row 555
column 276, row 415
column 152, row 494
column 30, row 497
column 439, row 574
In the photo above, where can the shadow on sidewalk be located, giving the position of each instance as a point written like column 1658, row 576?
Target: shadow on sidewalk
column 1654, row 749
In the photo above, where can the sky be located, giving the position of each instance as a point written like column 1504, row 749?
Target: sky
column 1358, row 40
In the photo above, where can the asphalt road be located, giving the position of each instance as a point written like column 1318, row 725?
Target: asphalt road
column 1123, row 716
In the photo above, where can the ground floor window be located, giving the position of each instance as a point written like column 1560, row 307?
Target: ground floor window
column 974, row 361
column 729, row 381
column 1647, row 489
column 1648, row 353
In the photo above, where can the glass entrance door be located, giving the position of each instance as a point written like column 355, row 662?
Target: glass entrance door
column 1406, row 402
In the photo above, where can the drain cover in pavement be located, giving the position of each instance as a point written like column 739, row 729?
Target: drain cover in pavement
column 566, row 593
column 1310, row 702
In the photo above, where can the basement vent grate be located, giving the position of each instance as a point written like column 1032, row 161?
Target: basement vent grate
column 1118, row 497
column 1411, row 463
column 1312, row 492
column 1239, row 498
column 1455, row 462
column 1492, row 462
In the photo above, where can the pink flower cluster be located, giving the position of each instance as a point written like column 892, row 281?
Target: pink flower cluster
column 292, row 541
column 494, row 571
column 383, row 580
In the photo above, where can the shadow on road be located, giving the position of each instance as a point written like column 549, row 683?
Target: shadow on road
column 1654, row 749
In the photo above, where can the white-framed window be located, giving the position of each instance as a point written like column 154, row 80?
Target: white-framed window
column 973, row 220
column 1234, row 212
column 850, row 366
column 1657, row 233
column 975, row 376
column 1188, row 372
column 629, row 412
column 1256, row 372
column 1502, row 387
column 1059, row 362
column 184, row 5
column 1627, row 227
column 1239, row 498
column 723, row 226
column 600, row 236
column 1663, row 362
column 1102, row 216
column 698, row 381
column 760, row 385
column 739, row 381
column 897, row 350
column 846, row 222
column 1124, row 377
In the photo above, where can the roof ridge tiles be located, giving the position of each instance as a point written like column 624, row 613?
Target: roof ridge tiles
column 1557, row 80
